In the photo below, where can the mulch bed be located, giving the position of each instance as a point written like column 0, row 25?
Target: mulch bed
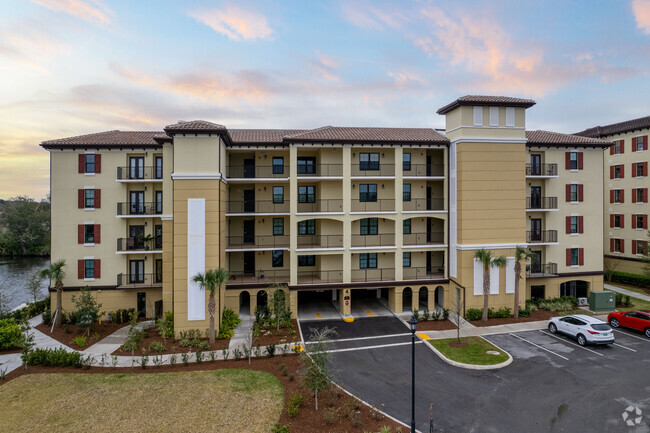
column 273, row 336
column 535, row 316
column 350, row 415
column 14, row 350
column 435, row 325
column 59, row 334
column 151, row 335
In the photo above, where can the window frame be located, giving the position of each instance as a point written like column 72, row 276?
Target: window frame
column 406, row 195
column 369, row 225
column 617, row 171
column 573, row 190
column 89, row 269
column 306, row 165
column 366, row 193
column 617, row 220
column 639, row 194
column 406, row 162
column 278, row 226
column 89, row 233
column 617, row 245
column 87, row 199
column 406, row 259
column 276, row 195
column 575, row 254
column 617, row 147
column 639, row 169
column 368, row 261
column 638, row 142
column 406, row 227
column 307, row 260
column 277, row 258
column 639, row 221
column 88, row 164
column 308, row 194
column 573, row 160
column 574, row 224
column 308, row 226
column 367, row 163
column 277, row 168
column 617, row 196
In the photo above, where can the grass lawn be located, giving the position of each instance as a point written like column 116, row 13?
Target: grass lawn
column 216, row 401
column 473, row 353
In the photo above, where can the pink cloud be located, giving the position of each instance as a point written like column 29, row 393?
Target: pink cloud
column 372, row 15
column 641, row 9
column 235, row 23
column 326, row 66
column 91, row 10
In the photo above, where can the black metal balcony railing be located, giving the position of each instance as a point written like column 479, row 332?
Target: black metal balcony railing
column 541, row 202
column 138, row 280
column 257, row 171
column 424, row 170
column 373, row 169
column 139, row 208
column 315, row 277
column 259, row 276
column 378, row 240
column 542, row 236
column 323, row 170
column 432, row 238
column 322, row 205
column 135, row 244
column 257, row 206
column 541, row 169
column 375, row 274
column 262, row 241
column 139, row 173
column 320, row 241
column 424, row 204
column 380, row 205
column 422, row 273
column 541, row 269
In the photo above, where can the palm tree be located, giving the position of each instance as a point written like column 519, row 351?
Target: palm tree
column 55, row 273
column 208, row 281
column 520, row 255
column 485, row 256
column 220, row 277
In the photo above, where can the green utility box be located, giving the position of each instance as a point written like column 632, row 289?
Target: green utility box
column 602, row 301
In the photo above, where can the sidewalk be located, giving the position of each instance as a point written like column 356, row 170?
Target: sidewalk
column 629, row 293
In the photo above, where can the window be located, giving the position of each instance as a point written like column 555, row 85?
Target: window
column 617, row 221
column 406, row 260
column 89, row 268
column 306, row 165
column 638, row 145
column 639, row 195
column 159, row 207
column 307, row 227
column 617, row 147
column 573, row 160
column 406, row 194
column 617, row 245
column 638, row 169
column 158, row 236
column 574, row 192
column 618, row 195
column 368, row 226
column 278, row 165
column 618, row 173
column 90, row 163
column 406, row 227
column 306, row 194
column 278, row 256
column 278, row 226
column 89, row 196
column 368, row 261
column 638, row 221
column 575, row 256
column 367, row 192
column 641, row 247
column 159, row 167
column 89, row 234
column 368, row 161
column 406, row 162
column 574, row 224
column 278, row 194
column 307, row 260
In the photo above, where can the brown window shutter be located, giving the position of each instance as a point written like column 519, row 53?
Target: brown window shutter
column 623, row 146
column 98, row 268
column 581, row 224
column 633, row 221
column 611, row 172
column 81, row 233
column 98, row 163
column 98, row 198
column 80, row 198
column 622, row 171
column 622, row 220
column 581, row 255
column 611, row 245
column 579, row 160
column 80, row 269
column 568, row 192
column 622, row 245
column 580, row 192
column 98, row 231
column 568, row 256
column 611, row 196
column 82, row 163
column 567, row 160
column 645, row 168
column 611, row 149
column 645, row 195
column 633, row 246
column 568, row 225
column 645, row 142
column 633, row 195
column 611, row 220
column 634, row 169
column 645, row 222
column 622, row 196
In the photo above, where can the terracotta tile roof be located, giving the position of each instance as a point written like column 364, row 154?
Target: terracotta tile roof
column 369, row 135
column 194, row 126
column 547, row 138
column 617, row 128
column 487, row 100
column 106, row 139
column 245, row 136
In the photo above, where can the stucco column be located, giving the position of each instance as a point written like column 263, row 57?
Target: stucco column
column 293, row 209
column 347, row 224
column 399, row 218
column 345, row 301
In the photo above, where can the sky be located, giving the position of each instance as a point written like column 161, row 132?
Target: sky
column 71, row 67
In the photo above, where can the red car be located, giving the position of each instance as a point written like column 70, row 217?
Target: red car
column 637, row 319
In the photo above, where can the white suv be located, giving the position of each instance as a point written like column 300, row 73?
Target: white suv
column 585, row 329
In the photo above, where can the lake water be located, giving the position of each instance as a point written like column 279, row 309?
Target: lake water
column 14, row 279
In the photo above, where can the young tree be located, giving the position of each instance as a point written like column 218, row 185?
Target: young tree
column 277, row 301
column 609, row 266
column 87, row 309
column 520, row 255
column 458, row 320
column 55, row 273
column 208, row 281
column 485, row 256
column 316, row 357
column 34, row 285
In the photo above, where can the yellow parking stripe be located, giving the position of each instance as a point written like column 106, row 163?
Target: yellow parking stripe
column 423, row 336
column 349, row 319
column 369, row 313
column 319, row 316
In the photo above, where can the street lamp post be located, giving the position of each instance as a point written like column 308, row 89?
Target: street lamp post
column 413, row 323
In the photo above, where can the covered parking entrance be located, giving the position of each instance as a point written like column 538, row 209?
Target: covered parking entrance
column 369, row 303
column 318, row 305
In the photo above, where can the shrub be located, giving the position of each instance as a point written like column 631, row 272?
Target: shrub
column 445, row 313
column 330, row 416
column 474, row 314
column 87, row 308
column 435, row 314
column 501, row 313
column 190, row 338
column 270, row 350
column 631, row 279
column 229, row 322
column 627, row 301
column 172, row 359
column 415, row 315
column 277, row 429
column 524, row 312
column 294, row 404
column 79, row 341
column 156, row 346
column 47, row 317
column 426, row 314
column 619, row 299
column 121, row 316
column 58, row 357
column 165, row 325
column 186, row 358
column 10, row 334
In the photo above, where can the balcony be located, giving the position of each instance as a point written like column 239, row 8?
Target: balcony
column 541, row 203
column 321, row 170
column 317, row 277
column 373, row 170
column 139, row 209
column 432, row 238
column 321, row 205
column 139, row 174
column 423, row 273
column 257, row 171
column 260, row 277
column 380, row 205
column 424, row 204
column 541, row 170
column 262, row 241
column 383, row 274
column 379, row 240
column 320, row 241
column 133, row 245
column 540, row 270
column 257, row 206
column 423, row 170
column 126, row 281
column 541, row 236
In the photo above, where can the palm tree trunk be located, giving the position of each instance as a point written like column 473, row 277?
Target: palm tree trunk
column 517, row 277
column 211, row 307
column 59, row 306
column 486, row 292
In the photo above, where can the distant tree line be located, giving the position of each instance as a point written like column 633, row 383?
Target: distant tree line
column 24, row 227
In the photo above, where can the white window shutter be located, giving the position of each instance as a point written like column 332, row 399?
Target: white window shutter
column 510, row 116
column 494, row 280
column 478, row 277
column 494, row 116
column 478, row 116
column 510, row 275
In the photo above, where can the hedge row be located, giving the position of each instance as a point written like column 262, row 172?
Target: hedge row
column 631, row 279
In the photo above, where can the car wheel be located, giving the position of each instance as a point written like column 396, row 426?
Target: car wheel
column 614, row 323
column 582, row 340
column 552, row 328
column 647, row 332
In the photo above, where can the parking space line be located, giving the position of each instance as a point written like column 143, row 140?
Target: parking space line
column 379, row 346
column 538, row 346
column 623, row 347
column 632, row 335
column 362, row 338
column 569, row 342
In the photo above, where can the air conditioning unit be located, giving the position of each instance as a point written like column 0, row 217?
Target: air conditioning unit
column 583, row 301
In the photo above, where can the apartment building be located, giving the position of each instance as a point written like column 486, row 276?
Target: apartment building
column 626, row 192
column 336, row 214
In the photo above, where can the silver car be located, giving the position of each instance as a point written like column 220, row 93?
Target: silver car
column 585, row 329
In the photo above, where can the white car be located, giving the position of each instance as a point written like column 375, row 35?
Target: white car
column 586, row 329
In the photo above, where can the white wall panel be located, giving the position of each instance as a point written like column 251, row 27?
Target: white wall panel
column 510, row 275
column 195, row 257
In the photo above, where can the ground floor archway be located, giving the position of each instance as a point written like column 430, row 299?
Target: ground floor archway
column 423, row 298
column 439, row 297
column 244, row 303
column 407, row 299
column 576, row 288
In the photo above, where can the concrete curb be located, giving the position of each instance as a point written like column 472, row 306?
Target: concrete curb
column 472, row 366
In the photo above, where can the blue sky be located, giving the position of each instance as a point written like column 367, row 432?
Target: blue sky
column 70, row 67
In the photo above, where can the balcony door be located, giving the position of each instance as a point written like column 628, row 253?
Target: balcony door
column 136, row 271
column 535, row 165
column 535, row 197
column 429, row 231
column 136, row 167
column 249, row 200
column 249, row 231
column 249, row 167
column 428, row 165
column 136, row 202
column 159, row 167
column 136, row 233
column 249, row 262
column 535, row 230
column 429, row 200
column 159, row 270
column 536, row 262
column 429, row 271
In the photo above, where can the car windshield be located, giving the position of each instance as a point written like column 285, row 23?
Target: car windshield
column 601, row 327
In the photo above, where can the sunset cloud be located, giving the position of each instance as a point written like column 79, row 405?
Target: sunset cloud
column 90, row 10
column 326, row 66
column 373, row 15
column 641, row 9
column 235, row 22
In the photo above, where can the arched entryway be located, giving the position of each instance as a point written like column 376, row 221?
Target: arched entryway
column 423, row 298
column 576, row 288
column 407, row 299
column 244, row 304
column 439, row 297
